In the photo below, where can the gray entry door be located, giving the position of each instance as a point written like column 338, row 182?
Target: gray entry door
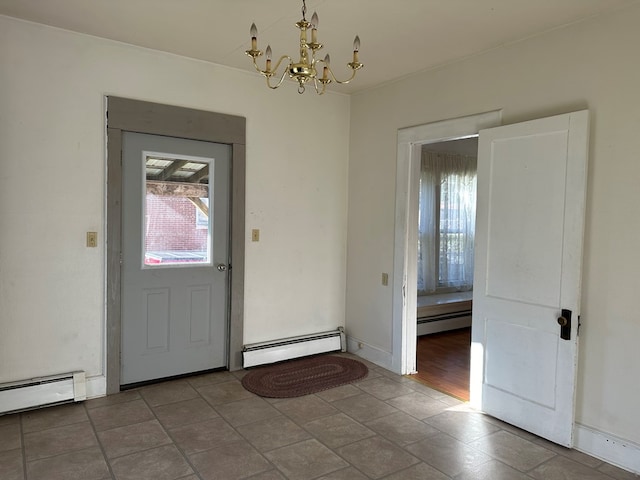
column 175, row 228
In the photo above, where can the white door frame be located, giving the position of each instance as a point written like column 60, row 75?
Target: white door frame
column 405, row 252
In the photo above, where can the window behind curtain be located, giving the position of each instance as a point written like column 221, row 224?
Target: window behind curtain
column 446, row 226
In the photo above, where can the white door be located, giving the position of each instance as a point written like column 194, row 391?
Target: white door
column 174, row 256
column 529, row 232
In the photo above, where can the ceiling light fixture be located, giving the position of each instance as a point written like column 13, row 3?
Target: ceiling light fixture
column 305, row 70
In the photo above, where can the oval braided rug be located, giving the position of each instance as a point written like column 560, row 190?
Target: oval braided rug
column 303, row 376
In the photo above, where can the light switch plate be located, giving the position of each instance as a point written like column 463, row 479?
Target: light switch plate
column 92, row 239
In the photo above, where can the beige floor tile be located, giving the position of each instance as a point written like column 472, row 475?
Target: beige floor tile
column 493, row 470
column 230, row 461
column 59, row 440
column 339, row 393
column 120, row 414
column 364, row 407
column 161, row 463
column 305, row 409
column 120, row 441
column 305, row 460
column 562, row 468
column 11, row 465
column 10, row 437
column 246, row 411
column 387, row 426
column 447, row 454
column 515, row 451
column 273, row 433
column 574, row 455
column 465, row 426
column 384, row 388
column 345, row 474
column 210, row 379
column 338, row 430
column 168, row 392
column 225, row 392
column 83, row 465
column 185, row 412
column 377, row 457
column 617, row 473
column 418, row 405
column 198, row 437
column 270, row 475
column 427, row 390
column 421, row 471
column 51, row 417
column 121, row 397
column 10, row 419
column 401, row 428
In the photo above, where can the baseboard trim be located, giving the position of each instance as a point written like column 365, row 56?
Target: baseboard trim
column 96, row 386
column 368, row 352
column 614, row 450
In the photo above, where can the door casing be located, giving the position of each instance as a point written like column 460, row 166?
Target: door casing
column 147, row 117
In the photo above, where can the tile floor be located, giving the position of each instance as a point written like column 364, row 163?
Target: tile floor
column 208, row 427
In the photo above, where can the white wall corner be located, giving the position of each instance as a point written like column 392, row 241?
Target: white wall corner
column 373, row 354
column 96, row 386
column 614, row 450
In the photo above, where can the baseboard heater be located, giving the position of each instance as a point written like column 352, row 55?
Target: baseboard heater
column 293, row 347
column 43, row 391
column 444, row 322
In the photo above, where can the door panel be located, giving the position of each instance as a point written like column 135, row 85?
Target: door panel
column 529, row 233
column 175, row 232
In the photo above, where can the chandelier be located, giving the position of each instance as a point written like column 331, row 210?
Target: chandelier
column 305, row 70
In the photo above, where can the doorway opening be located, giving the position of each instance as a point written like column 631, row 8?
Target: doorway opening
column 405, row 283
column 446, row 229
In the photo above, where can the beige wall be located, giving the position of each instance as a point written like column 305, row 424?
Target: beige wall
column 587, row 65
column 52, row 189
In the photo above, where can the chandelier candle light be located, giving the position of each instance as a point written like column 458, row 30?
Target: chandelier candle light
column 306, row 69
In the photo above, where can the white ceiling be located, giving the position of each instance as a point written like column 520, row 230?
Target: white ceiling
column 399, row 37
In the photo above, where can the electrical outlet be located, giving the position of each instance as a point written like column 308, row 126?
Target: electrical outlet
column 255, row 235
column 92, row 239
column 385, row 279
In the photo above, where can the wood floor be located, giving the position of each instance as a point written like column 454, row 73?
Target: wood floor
column 443, row 361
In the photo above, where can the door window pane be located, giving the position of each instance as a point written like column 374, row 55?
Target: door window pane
column 177, row 228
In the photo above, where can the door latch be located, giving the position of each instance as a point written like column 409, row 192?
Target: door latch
column 565, row 324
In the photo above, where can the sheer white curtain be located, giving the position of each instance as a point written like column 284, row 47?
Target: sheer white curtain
column 446, row 222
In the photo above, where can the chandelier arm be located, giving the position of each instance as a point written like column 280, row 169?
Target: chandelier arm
column 283, row 57
column 273, row 87
column 255, row 65
column 342, row 82
column 271, row 72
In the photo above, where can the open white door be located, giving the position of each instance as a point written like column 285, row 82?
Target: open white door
column 529, row 235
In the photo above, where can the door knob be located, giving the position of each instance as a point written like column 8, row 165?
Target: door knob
column 221, row 267
column 564, row 320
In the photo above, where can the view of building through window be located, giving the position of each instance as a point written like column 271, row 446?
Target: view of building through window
column 177, row 221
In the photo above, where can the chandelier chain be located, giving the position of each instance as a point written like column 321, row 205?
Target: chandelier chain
column 304, row 10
